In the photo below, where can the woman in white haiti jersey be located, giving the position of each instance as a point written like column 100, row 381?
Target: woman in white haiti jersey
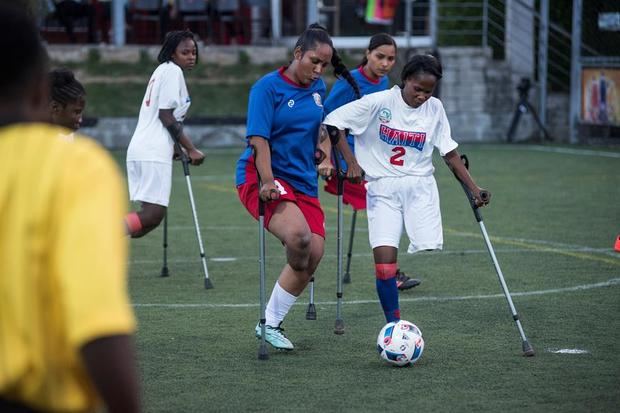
column 370, row 76
column 395, row 133
column 150, row 152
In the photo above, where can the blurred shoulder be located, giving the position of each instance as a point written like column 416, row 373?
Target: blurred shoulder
column 90, row 153
column 44, row 145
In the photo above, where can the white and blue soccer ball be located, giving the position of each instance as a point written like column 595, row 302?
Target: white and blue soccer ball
column 400, row 343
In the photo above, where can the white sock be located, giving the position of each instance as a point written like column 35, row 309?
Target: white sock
column 278, row 306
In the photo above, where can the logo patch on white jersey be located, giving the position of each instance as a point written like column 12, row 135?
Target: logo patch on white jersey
column 317, row 99
column 291, row 103
column 385, row 115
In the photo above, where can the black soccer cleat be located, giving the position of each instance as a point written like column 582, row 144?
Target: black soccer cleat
column 403, row 282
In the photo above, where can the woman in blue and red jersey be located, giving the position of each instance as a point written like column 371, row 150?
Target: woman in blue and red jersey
column 285, row 112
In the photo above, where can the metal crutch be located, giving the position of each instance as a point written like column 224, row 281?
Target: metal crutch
column 185, row 161
column 164, row 268
column 263, row 354
column 347, row 273
column 528, row 350
column 339, row 325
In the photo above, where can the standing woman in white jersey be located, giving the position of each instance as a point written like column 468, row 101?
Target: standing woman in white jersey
column 395, row 133
column 150, row 152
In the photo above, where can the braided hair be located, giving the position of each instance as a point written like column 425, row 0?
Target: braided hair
column 171, row 41
column 378, row 40
column 422, row 63
column 65, row 88
column 314, row 34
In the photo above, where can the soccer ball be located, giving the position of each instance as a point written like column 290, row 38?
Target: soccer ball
column 400, row 343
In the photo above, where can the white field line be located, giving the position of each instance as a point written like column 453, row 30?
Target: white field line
column 448, row 252
column 568, row 351
column 208, row 178
column 583, row 287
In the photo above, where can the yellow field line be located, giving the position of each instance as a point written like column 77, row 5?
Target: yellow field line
column 347, row 211
column 218, row 188
column 535, row 247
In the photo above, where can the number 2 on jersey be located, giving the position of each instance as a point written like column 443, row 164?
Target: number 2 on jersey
column 396, row 159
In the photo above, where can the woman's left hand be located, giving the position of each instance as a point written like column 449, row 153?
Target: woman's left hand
column 482, row 197
column 196, row 157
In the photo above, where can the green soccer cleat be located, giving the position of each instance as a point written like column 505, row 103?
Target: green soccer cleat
column 403, row 282
column 275, row 336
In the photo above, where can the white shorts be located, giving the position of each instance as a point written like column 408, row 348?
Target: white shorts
column 149, row 181
column 413, row 200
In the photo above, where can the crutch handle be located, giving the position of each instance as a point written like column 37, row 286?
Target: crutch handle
column 470, row 197
column 485, row 195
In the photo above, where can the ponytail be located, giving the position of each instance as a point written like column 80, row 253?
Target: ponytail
column 340, row 70
column 315, row 33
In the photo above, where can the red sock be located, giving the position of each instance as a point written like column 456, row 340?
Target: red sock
column 387, row 290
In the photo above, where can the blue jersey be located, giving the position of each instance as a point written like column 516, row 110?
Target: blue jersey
column 342, row 93
column 288, row 115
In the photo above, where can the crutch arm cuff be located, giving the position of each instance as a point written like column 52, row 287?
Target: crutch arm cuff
column 333, row 133
column 176, row 130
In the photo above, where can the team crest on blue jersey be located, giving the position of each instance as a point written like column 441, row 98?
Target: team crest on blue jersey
column 385, row 115
column 317, row 99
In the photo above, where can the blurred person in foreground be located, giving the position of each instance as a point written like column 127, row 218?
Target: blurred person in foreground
column 66, row 324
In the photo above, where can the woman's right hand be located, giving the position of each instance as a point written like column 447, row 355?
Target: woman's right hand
column 355, row 173
column 326, row 168
column 269, row 192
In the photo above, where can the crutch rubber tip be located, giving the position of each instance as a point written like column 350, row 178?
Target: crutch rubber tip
column 347, row 278
column 311, row 313
column 262, row 353
column 339, row 327
column 528, row 350
column 208, row 284
column 164, row 272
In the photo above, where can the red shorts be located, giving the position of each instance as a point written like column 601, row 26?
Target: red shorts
column 353, row 194
column 309, row 206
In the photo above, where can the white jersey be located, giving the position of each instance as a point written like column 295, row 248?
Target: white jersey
column 393, row 139
column 166, row 90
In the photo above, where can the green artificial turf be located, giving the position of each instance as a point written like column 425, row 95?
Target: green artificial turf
column 553, row 220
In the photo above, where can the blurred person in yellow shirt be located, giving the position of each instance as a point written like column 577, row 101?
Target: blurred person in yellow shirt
column 66, row 324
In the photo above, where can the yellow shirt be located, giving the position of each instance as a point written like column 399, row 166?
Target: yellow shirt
column 62, row 264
